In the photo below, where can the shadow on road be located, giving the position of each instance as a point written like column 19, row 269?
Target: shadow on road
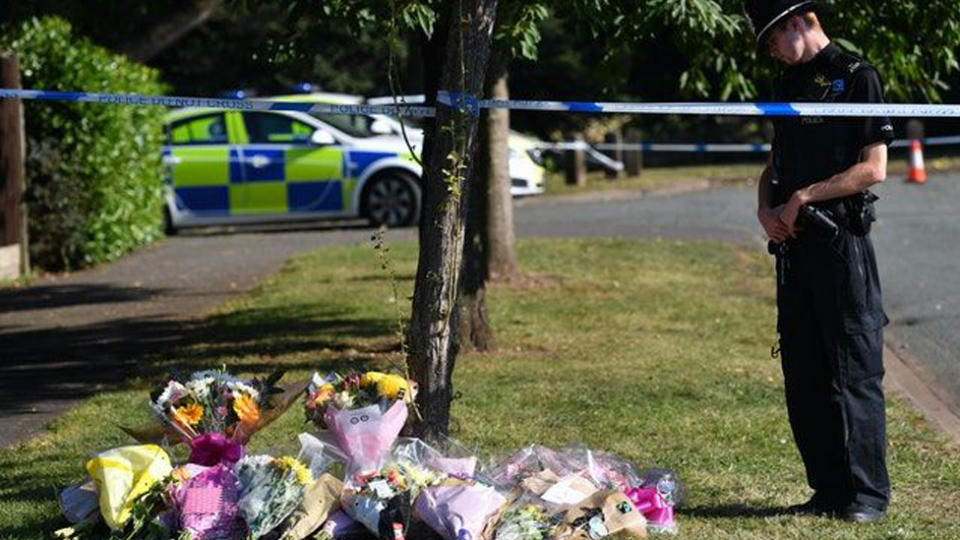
column 51, row 365
column 269, row 228
column 57, row 296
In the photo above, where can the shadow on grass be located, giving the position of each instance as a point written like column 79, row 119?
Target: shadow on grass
column 41, row 367
column 733, row 510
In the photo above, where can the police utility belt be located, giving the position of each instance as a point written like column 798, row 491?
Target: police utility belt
column 854, row 214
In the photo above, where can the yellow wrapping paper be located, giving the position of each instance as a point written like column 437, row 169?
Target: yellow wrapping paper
column 123, row 474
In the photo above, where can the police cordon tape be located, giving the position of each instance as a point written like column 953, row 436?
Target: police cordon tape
column 472, row 105
column 710, row 147
column 215, row 103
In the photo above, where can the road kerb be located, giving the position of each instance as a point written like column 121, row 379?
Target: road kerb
column 903, row 379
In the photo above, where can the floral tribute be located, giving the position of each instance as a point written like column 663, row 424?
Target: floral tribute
column 526, row 521
column 382, row 500
column 354, row 391
column 213, row 411
column 358, row 474
column 270, row 490
column 365, row 412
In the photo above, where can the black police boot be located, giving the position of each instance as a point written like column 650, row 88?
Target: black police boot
column 818, row 505
column 862, row 513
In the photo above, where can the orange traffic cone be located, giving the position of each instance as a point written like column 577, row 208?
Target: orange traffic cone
column 917, row 173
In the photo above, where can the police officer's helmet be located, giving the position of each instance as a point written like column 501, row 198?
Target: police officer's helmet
column 765, row 14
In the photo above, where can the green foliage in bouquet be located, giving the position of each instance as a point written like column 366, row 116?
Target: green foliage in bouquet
column 354, row 391
column 144, row 522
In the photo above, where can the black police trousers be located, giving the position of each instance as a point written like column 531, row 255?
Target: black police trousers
column 830, row 320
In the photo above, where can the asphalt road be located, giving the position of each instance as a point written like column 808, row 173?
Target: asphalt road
column 68, row 336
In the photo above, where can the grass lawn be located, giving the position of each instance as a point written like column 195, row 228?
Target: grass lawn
column 658, row 351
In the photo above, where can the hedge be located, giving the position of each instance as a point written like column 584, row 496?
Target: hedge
column 94, row 174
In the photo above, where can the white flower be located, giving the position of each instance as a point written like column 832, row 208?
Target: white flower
column 172, row 392
column 343, row 400
column 242, row 387
column 209, row 375
column 200, row 388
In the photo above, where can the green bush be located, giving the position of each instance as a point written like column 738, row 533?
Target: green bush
column 94, row 175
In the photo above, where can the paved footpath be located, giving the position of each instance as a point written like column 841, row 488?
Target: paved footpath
column 65, row 337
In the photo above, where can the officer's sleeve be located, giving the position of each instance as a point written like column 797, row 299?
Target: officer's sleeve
column 866, row 88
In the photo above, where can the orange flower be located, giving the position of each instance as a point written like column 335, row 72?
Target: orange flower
column 323, row 396
column 189, row 414
column 246, row 409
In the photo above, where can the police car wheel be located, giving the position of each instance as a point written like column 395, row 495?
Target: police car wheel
column 390, row 200
column 168, row 227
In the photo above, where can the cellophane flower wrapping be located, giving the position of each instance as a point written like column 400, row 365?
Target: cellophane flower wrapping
column 207, row 403
column 270, row 489
column 458, row 512
column 451, row 457
column 383, row 499
column 526, row 519
column 79, row 503
column 123, row 474
column 340, row 525
column 658, row 493
column 508, row 473
column 365, row 412
column 205, row 502
column 322, row 498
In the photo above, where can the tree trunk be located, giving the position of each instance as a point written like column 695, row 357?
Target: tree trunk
column 166, row 31
column 433, row 321
column 12, row 154
column 501, row 252
column 474, row 330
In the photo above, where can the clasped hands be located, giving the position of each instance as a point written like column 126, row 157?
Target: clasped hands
column 780, row 222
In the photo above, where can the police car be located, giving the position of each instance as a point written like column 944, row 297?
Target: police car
column 233, row 167
column 527, row 174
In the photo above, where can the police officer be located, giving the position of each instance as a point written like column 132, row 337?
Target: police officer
column 830, row 317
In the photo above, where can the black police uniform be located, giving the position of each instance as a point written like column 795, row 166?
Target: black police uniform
column 830, row 317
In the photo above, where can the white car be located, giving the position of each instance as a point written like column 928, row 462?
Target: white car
column 527, row 175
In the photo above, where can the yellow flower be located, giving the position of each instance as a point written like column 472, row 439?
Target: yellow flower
column 246, row 409
column 188, row 414
column 392, row 387
column 371, row 378
column 180, row 475
column 303, row 474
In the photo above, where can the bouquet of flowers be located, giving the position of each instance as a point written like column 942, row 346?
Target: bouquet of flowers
column 122, row 475
column 215, row 412
column 525, row 521
column 458, row 512
column 365, row 412
column 270, row 489
column 602, row 514
column 382, row 500
column 455, row 460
